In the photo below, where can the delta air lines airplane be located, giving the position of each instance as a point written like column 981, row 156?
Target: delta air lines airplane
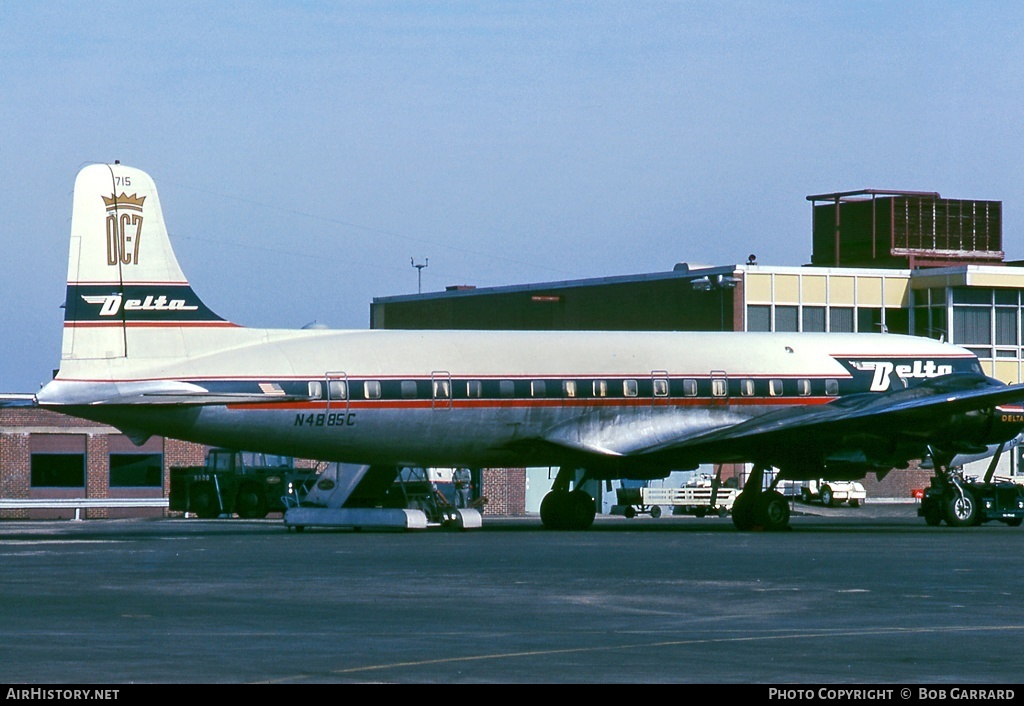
column 143, row 353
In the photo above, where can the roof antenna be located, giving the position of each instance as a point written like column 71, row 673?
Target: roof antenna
column 419, row 273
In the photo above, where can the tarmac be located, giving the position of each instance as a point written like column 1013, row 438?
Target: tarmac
column 853, row 596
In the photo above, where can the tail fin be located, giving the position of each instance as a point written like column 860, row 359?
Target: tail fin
column 126, row 295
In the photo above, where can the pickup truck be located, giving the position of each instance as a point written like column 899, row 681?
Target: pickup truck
column 833, row 492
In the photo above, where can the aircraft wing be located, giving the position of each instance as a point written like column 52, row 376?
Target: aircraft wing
column 792, row 431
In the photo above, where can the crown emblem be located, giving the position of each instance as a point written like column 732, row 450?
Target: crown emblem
column 133, row 202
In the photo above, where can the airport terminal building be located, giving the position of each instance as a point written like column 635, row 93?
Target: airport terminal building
column 882, row 261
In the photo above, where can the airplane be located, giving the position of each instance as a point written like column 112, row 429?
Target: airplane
column 143, row 353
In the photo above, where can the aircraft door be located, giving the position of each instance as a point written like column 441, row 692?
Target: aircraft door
column 441, row 389
column 337, row 392
column 660, row 395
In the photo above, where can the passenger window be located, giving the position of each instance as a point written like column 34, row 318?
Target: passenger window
column 775, row 388
column 506, row 388
column 408, row 389
column 568, row 388
column 747, row 388
column 660, row 387
column 629, row 388
column 831, row 387
column 718, row 387
column 803, row 387
column 337, row 389
column 371, row 388
column 442, row 389
column 600, row 388
column 316, row 390
column 690, row 388
column 538, row 388
column 473, row 388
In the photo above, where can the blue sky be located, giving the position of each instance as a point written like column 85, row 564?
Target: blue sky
column 305, row 152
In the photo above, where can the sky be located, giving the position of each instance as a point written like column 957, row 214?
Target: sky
column 309, row 154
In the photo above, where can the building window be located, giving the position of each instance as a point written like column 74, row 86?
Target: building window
column 972, row 325
column 58, row 470
column 1006, row 326
column 869, row 320
column 759, row 317
column 814, row 318
column 840, row 319
column 136, row 470
column 786, row 318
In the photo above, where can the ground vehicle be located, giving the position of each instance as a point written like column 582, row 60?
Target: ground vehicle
column 695, row 498
column 248, row 484
column 963, row 502
column 833, row 492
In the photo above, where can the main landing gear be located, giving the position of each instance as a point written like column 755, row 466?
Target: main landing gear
column 756, row 508
column 564, row 509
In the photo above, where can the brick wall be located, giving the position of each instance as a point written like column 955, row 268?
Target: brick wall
column 505, row 490
column 14, row 470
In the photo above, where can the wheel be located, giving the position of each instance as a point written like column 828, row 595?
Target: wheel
column 854, row 502
column 805, row 496
column 580, row 510
column 772, row 511
column 700, row 511
column 932, row 514
column 961, row 510
column 1014, row 522
column 630, row 512
column 251, row 504
column 655, row 511
column 552, row 509
column 722, row 512
column 826, row 496
column 743, row 511
column 203, row 500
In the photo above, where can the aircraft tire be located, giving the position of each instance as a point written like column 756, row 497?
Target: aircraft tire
column 743, row 512
column 961, row 511
column 554, row 510
column 581, row 510
column 772, row 511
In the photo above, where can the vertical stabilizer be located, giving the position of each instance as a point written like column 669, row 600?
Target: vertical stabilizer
column 127, row 296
